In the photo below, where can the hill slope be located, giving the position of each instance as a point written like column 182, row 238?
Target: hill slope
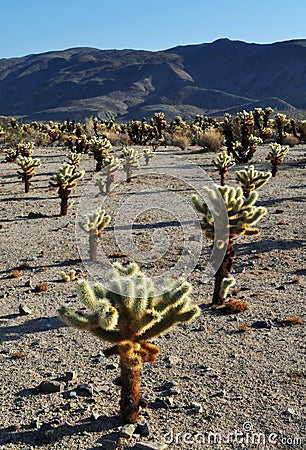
column 187, row 80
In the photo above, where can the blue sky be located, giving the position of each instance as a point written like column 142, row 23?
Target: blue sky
column 36, row 26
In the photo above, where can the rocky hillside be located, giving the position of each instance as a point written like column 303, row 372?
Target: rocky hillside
column 223, row 76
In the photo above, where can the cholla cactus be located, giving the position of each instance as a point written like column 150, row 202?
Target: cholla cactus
column 25, row 148
column 67, row 277
column 28, row 166
column 148, row 154
column 74, row 160
column 100, row 147
column 223, row 162
column 130, row 158
column 128, row 314
column 281, row 121
column 111, row 165
column 94, row 224
column 242, row 216
column 277, row 156
column 251, row 179
column 65, row 181
column 11, row 154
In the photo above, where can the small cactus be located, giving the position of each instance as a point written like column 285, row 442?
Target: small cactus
column 242, row 216
column 65, row 181
column 277, row 156
column 251, row 179
column 127, row 315
column 130, row 158
column 94, row 224
column 100, row 146
column 67, row 277
column 74, row 160
column 28, row 166
column 25, row 148
column 223, row 162
column 111, row 165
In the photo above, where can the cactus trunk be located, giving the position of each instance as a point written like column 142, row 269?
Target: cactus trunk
column 93, row 245
column 128, row 175
column 99, row 165
column 274, row 169
column 64, row 194
column 223, row 272
column 130, row 398
column 26, row 185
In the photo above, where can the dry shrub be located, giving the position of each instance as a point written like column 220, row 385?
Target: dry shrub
column 290, row 140
column 234, row 307
column 118, row 139
column 244, row 328
column 15, row 273
column 41, row 287
column 18, row 355
column 211, row 140
column 292, row 320
column 180, row 141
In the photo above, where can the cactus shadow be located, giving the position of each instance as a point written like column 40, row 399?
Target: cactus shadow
column 13, row 332
column 49, row 434
column 267, row 245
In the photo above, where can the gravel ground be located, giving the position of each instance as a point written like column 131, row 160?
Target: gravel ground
column 230, row 389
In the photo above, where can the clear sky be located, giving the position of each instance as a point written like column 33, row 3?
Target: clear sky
column 36, row 26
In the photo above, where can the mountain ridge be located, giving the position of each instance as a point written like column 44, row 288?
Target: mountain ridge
column 209, row 78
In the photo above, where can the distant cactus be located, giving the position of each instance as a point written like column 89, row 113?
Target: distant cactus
column 128, row 314
column 251, row 179
column 100, row 147
column 148, row 154
column 94, row 224
column 111, row 165
column 242, row 216
column 277, row 156
column 130, row 158
column 65, row 181
column 74, row 160
column 28, row 166
column 25, row 148
column 223, row 162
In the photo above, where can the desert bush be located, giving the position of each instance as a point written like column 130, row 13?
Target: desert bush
column 211, row 140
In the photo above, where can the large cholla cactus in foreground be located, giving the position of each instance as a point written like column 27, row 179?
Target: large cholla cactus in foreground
column 130, row 158
column 128, row 314
column 223, row 162
column 28, row 166
column 100, row 146
column 251, row 179
column 242, row 216
column 94, row 224
column 65, row 181
column 277, row 156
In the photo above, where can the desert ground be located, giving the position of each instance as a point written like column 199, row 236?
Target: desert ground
column 213, row 385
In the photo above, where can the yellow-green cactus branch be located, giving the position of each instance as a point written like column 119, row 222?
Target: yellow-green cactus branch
column 223, row 162
column 100, row 147
column 94, row 224
column 28, row 166
column 65, row 181
column 74, row 160
column 251, row 179
column 67, row 277
column 127, row 314
column 111, row 165
column 276, row 156
column 25, row 148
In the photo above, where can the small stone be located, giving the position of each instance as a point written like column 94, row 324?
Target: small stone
column 197, row 407
column 95, row 415
column 24, row 310
column 290, row 412
column 169, row 384
column 70, row 375
column 50, row 387
column 174, row 391
column 150, row 446
column 28, row 283
column 108, row 444
column 85, row 390
column 172, row 360
column 127, row 430
column 206, row 368
column 143, row 429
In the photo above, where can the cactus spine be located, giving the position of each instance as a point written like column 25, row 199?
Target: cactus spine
column 251, row 179
column 28, row 166
column 242, row 216
column 277, row 156
column 65, row 181
column 223, row 162
column 128, row 314
column 94, row 224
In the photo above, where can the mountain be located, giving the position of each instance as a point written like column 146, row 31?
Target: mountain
column 212, row 78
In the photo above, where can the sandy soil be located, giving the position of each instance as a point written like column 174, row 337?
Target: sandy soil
column 232, row 389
